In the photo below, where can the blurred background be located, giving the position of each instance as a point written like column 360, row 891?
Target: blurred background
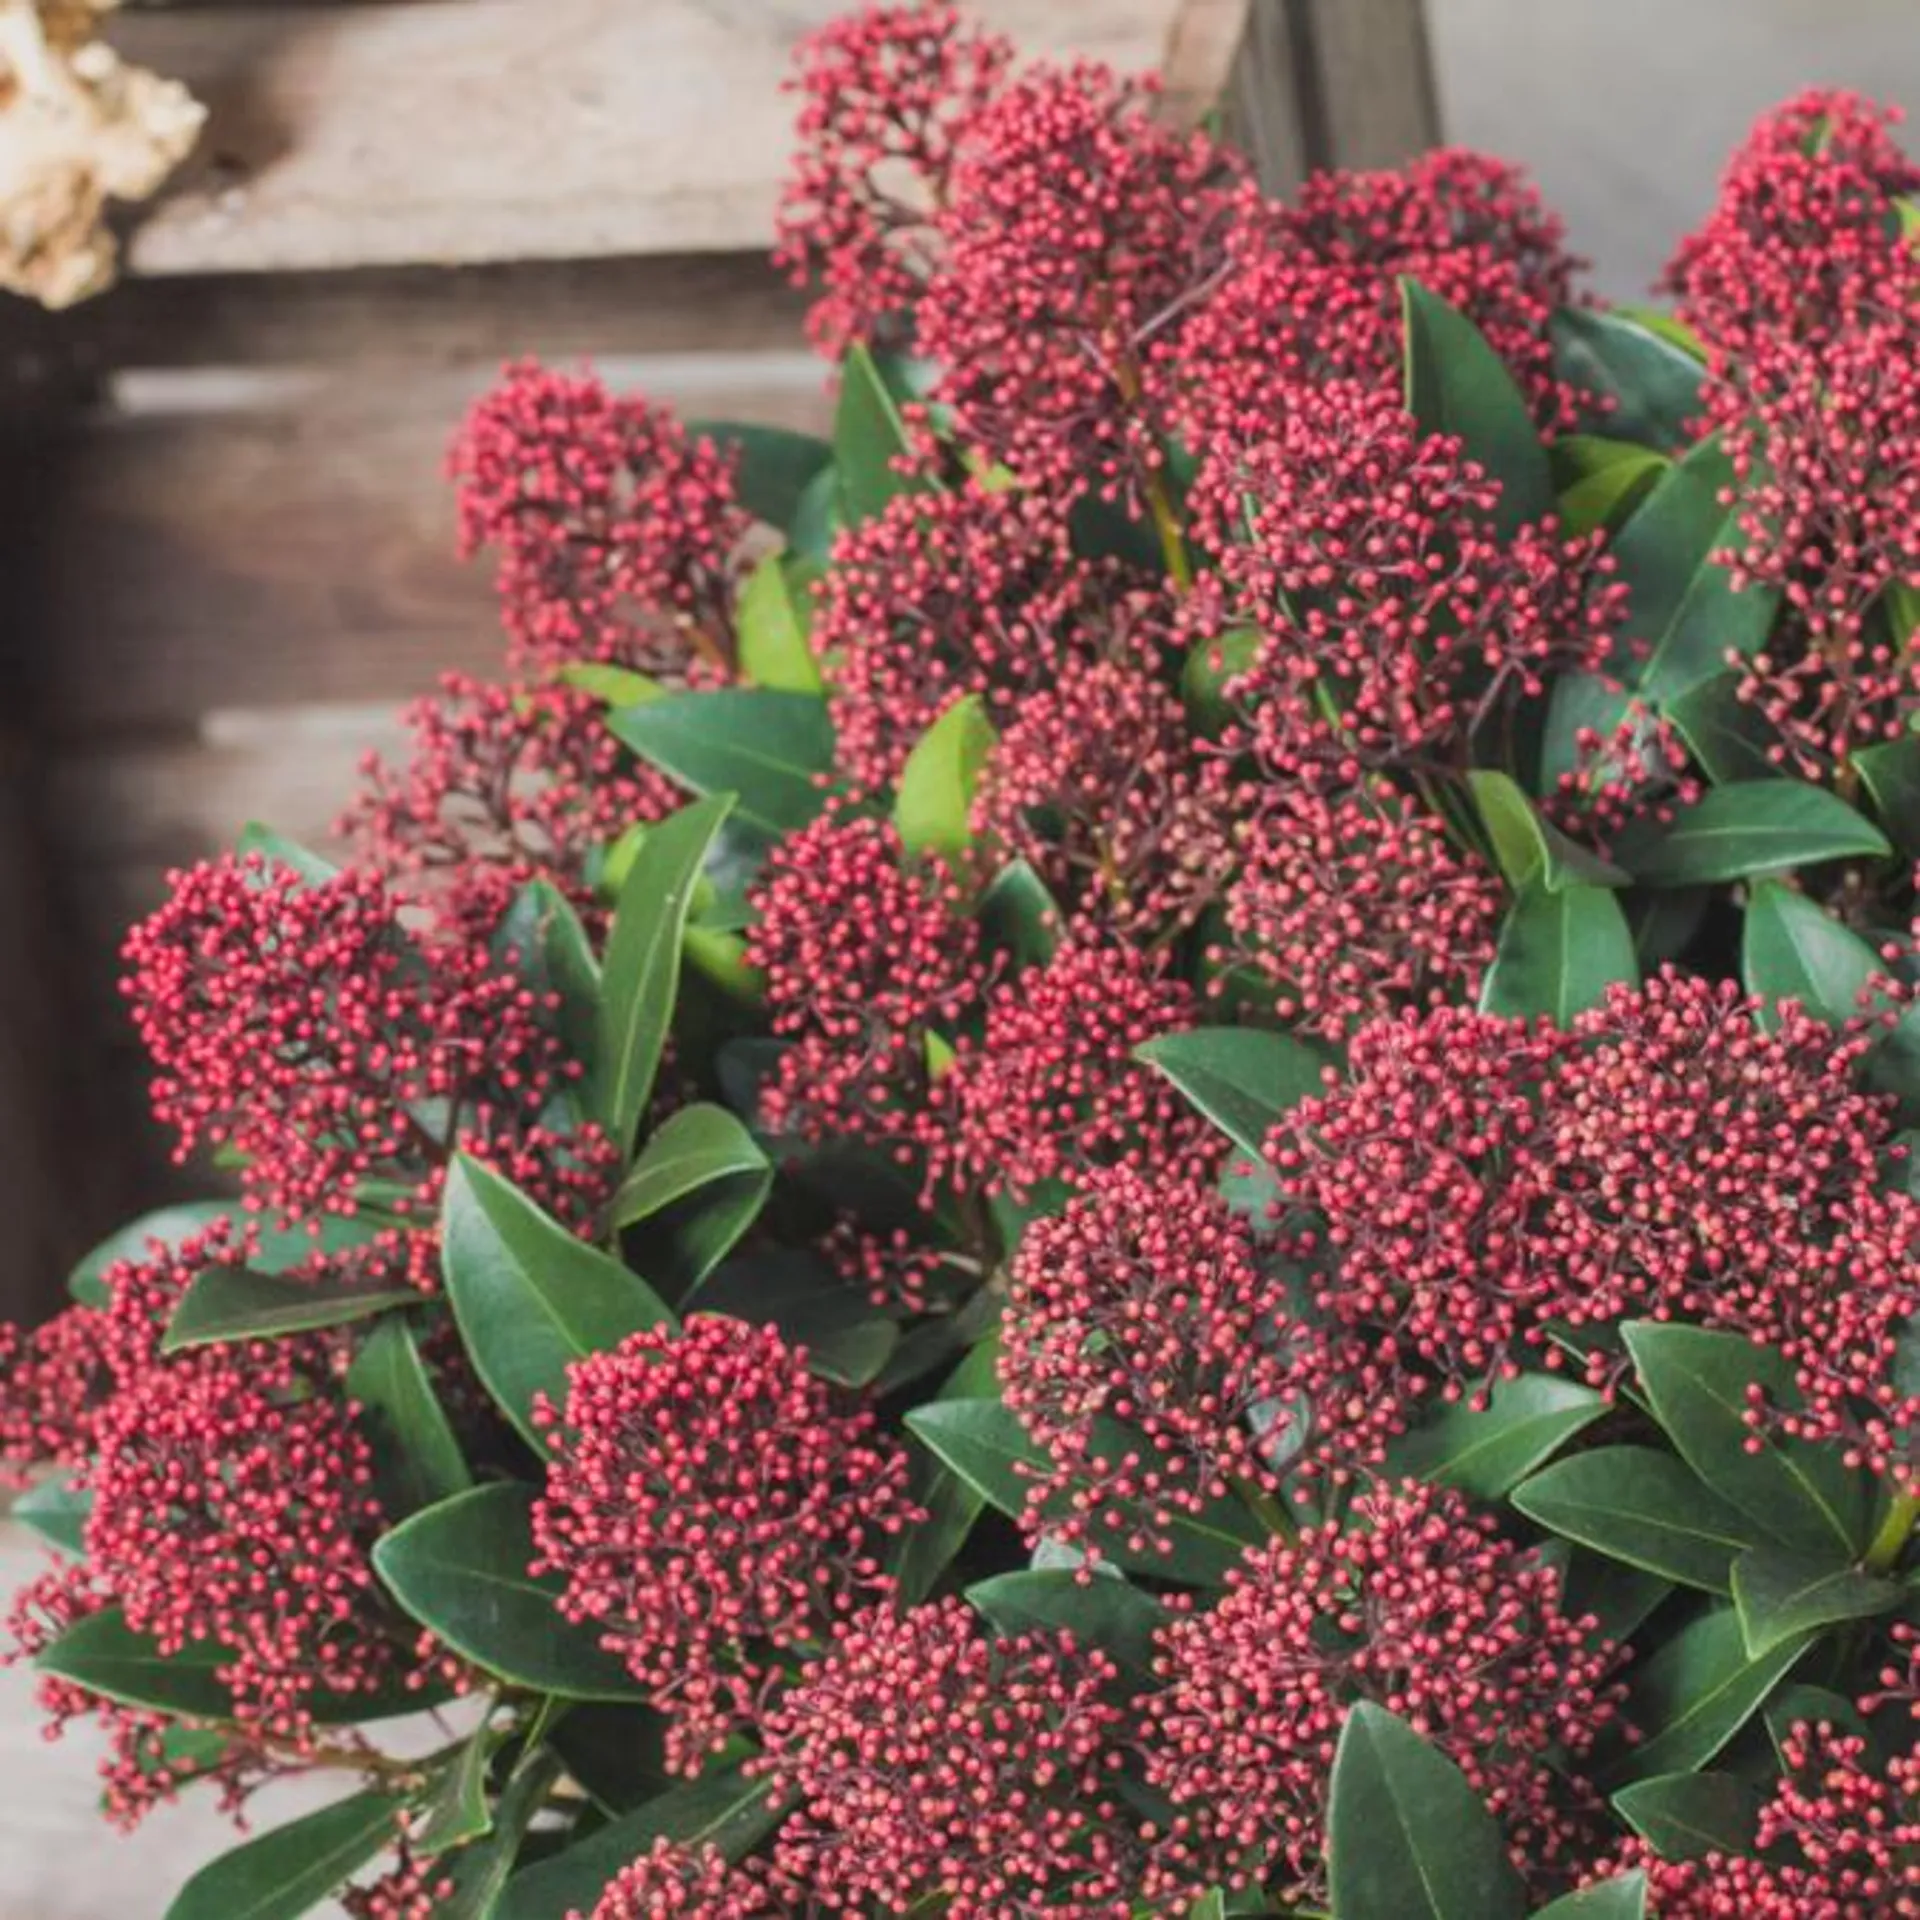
column 227, row 546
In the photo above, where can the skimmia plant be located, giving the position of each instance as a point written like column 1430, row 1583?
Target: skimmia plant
column 1132, row 1145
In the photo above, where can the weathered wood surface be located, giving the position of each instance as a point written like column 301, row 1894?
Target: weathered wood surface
column 474, row 130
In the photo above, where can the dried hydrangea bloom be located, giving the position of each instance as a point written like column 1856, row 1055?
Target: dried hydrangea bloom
column 941, row 595
column 1051, row 1090
column 233, row 1504
column 1415, row 1602
column 1397, row 620
column 1143, row 1305
column 1079, row 232
column 713, row 1507
column 1317, row 295
column 886, row 96
column 1351, row 903
column 676, row 1881
column 617, row 533
column 1099, row 783
column 506, row 784
column 863, row 957
column 925, row 1758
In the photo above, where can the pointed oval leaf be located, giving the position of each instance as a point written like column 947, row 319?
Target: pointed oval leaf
column 1891, row 774
column 289, row 1870
column 103, row 1654
column 696, row 1188
column 1601, row 481
column 57, row 1511
column 767, row 748
column 1109, row 1614
column 870, row 435
column 1530, row 849
column 1456, row 384
column 1407, row 1838
column 641, row 978
column 933, row 803
column 1781, row 1595
column 1558, row 954
column 417, row 1458
column 235, row 1303
column 1642, row 1507
column 848, row 1340
column 1647, row 381
column 1622, row 1898
column 460, row 1569
column 549, row 949
column 1792, row 949
column 1244, row 1079
column 1729, row 738
column 1750, row 827
column 1683, row 1816
column 950, row 1500
column 773, row 618
column 529, row 1297
column 1487, row 1451
column 773, row 466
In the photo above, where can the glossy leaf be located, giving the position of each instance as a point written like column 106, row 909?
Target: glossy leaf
column 1106, row 1613
column 1751, row 827
column 1647, row 383
column 1244, row 1079
column 479, row 1871
column 1792, row 949
column 1696, row 1690
column 848, row 1340
column 641, row 978
column 933, row 803
column 1729, row 738
column 1019, row 916
column 235, row 1303
column 105, row 1655
column 1456, row 384
column 416, row 1456
column 1558, row 954
column 1682, row 1816
column 869, row 436
column 57, row 1511
column 767, row 748
column 722, row 1809
column 289, row 1870
column 1407, row 1837
column 1486, row 1452
column 1682, row 606
column 1601, row 481
column 460, row 1569
column 554, row 956
column 773, row 617
column 460, row 1809
column 1697, row 1382
column 1891, row 774
column 951, row 1501
column 1624, row 1897
column 773, row 467
column 1782, row 1595
column 529, row 1296
column 695, row 1189
column 276, row 1250
column 1643, row 1507
column 1529, row 848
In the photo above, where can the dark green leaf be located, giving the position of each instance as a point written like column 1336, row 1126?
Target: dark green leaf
column 1620, row 1599
column 1105, row 1613
column 1212, row 666
column 460, row 1810
column 721, row 1809
column 697, row 1186
column 1652, row 383
column 1725, row 734
column 1782, row 1595
column 1750, row 827
column 1456, row 384
column 1794, row 950
column 1696, row 1691
column 479, row 1871
column 289, row 1870
column 1643, row 1507
column 1683, row 607
column 1558, row 954
column 1487, row 1452
column 460, row 1569
column 1811, row 1706
column 1891, row 773
column 773, row 617
column 235, row 1303
column 617, row 1753
column 641, row 979
column 554, row 956
column 933, row 804
column 167, row 1227
column 1020, row 916
column 1601, row 481
column 417, row 1459
column 1530, row 849
column 1698, row 1383
column 1622, row 1898
column 529, row 1297
column 1682, row 1816
column 57, row 1511
column 765, row 747
column 1407, row 1837
column 869, row 435
column 846, row 1339
column 951, row 1501
column 1243, row 1079
column 774, row 467
column 105, row 1655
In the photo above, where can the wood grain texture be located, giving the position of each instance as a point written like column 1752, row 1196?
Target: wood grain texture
column 1370, row 100
column 475, row 130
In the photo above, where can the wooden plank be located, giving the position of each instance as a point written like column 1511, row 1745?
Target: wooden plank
column 229, row 547
column 1372, row 102
column 1265, row 102
column 472, row 130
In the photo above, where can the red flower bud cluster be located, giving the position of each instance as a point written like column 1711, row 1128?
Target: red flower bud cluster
column 675, row 1882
